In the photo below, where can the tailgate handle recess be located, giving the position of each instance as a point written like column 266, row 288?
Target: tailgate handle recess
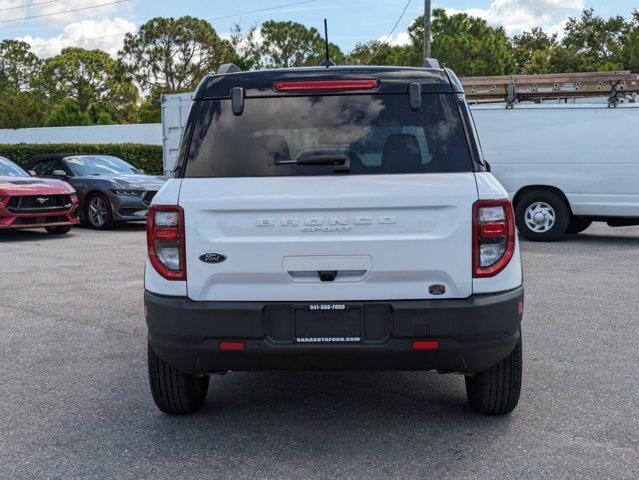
column 327, row 275
column 327, row 269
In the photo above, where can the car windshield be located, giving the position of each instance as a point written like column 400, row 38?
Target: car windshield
column 10, row 169
column 320, row 135
column 100, row 165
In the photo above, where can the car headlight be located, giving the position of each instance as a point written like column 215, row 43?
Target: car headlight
column 128, row 193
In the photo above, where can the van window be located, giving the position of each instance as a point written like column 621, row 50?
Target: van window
column 377, row 133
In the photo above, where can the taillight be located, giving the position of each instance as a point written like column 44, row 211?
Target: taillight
column 493, row 236
column 325, row 85
column 165, row 239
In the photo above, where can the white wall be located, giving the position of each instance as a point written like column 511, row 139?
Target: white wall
column 147, row 133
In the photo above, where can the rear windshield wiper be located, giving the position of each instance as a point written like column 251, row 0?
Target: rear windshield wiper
column 341, row 161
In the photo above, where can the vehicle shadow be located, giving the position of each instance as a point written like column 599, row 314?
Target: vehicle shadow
column 128, row 226
column 586, row 238
column 131, row 226
column 597, row 238
column 315, row 415
column 34, row 235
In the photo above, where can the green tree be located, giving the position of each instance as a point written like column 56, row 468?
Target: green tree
column 22, row 109
column 88, row 77
column 149, row 110
column 66, row 113
column 471, row 47
column 531, row 50
column 591, row 43
column 631, row 46
column 285, row 44
column 379, row 53
column 19, row 66
column 172, row 55
column 103, row 114
column 466, row 44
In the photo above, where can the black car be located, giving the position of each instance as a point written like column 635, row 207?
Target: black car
column 110, row 190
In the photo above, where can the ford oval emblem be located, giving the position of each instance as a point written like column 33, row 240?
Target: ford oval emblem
column 437, row 289
column 212, row 257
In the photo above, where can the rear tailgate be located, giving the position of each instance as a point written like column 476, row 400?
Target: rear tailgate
column 369, row 237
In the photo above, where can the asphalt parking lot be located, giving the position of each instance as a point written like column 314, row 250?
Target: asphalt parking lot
column 75, row 403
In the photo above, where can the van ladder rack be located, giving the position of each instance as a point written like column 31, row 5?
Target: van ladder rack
column 512, row 88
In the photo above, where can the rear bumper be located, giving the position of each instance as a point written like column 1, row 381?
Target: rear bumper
column 472, row 334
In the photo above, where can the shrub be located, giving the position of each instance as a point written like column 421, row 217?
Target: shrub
column 145, row 157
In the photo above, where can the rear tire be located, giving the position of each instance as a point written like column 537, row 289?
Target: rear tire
column 495, row 391
column 542, row 216
column 174, row 391
column 58, row 230
column 578, row 225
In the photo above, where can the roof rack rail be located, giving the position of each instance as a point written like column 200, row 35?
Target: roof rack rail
column 431, row 63
column 228, row 68
column 513, row 88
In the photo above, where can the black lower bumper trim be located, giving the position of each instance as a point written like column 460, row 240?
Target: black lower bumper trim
column 472, row 334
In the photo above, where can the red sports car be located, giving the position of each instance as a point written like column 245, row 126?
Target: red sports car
column 27, row 202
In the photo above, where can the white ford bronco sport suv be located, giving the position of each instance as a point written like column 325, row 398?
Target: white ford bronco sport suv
column 336, row 218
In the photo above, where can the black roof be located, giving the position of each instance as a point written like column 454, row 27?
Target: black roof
column 260, row 82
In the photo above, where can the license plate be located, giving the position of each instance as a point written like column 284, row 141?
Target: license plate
column 328, row 323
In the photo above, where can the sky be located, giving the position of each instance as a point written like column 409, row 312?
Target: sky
column 50, row 25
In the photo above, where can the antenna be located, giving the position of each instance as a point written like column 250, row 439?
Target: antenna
column 327, row 63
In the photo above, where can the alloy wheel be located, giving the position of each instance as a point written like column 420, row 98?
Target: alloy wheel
column 98, row 211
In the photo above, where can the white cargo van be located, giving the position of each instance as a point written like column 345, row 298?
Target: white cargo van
column 564, row 165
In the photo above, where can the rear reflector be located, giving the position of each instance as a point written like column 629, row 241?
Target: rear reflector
column 520, row 307
column 325, row 85
column 493, row 230
column 425, row 345
column 232, row 346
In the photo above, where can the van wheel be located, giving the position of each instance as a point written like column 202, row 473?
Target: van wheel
column 578, row 225
column 495, row 391
column 542, row 216
column 174, row 391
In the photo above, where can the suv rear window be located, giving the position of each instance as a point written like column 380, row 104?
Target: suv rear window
column 377, row 133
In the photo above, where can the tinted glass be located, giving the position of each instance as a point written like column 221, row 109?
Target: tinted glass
column 377, row 133
column 44, row 168
column 10, row 169
column 99, row 165
column 60, row 165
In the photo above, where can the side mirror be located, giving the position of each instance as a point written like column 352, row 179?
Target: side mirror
column 32, row 173
column 59, row 173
